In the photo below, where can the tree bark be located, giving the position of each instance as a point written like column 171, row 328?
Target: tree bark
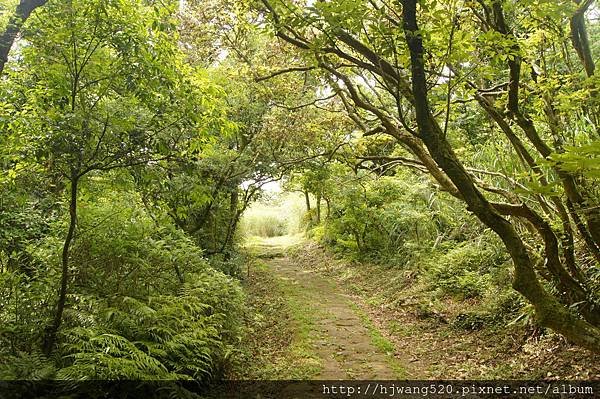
column 549, row 311
column 15, row 23
column 234, row 215
column 318, row 206
column 307, row 199
column 52, row 330
column 579, row 198
column 580, row 39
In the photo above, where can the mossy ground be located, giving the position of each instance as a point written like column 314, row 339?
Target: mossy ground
column 316, row 316
column 302, row 326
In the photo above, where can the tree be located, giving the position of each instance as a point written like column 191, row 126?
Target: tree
column 101, row 87
column 270, row 130
column 404, row 69
column 12, row 29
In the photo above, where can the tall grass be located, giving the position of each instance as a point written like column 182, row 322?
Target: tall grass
column 274, row 217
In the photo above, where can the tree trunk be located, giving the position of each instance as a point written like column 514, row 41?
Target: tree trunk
column 580, row 199
column 307, row 199
column 318, row 205
column 23, row 11
column 235, row 215
column 549, row 311
column 51, row 331
column 581, row 42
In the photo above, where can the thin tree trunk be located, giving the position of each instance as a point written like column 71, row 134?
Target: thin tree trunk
column 318, row 205
column 307, row 199
column 235, row 215
column 580, row 40
column 231, row 233
column 52, row 330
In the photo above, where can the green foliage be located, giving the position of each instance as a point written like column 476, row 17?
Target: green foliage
column 26, row 366
column 166, row 126
column 120, row 248
column 25, row 216
column 25, row 303
column 230, row 263
column 399, row 221
column 282, row 215
column 108, row 356
column 502, row 117
column 465, row 269
column 145, row 303
column 163, row 159
column 142, row 332
column 182, row 336
column 264, row 224
column 470, row 321
column 583, row 159
column 106, row 90
column 386, row 218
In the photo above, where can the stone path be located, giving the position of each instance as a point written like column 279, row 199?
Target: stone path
column 340, row 339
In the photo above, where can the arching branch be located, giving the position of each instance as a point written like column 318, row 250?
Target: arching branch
column 23, row 11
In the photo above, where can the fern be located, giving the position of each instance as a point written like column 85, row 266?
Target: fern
column 98, row 355
column 162, row 337
column 27, row 366
column 128, row 314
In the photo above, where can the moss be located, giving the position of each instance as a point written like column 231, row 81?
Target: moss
column 381, row 342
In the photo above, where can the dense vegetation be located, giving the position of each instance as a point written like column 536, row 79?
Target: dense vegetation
column 504, row 121
column 456, row 140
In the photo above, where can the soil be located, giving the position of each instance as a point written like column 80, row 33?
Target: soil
column 347, row 304
column 343, row 343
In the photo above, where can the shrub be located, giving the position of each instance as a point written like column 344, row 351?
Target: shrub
column 183, row 336
column 385, row 219
column 470, row 321
column 504, row 306
column 264, row 224
column 274, row 217
column 463, row 271
column 122, row 251
column 143, row 302
column 26, row 366
column 25, row 305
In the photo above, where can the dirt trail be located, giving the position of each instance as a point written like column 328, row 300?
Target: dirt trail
column 340, row 338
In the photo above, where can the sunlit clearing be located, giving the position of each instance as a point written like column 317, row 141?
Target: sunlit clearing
column 276, row 217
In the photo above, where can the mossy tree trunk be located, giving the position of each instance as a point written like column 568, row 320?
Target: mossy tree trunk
column 549, row 311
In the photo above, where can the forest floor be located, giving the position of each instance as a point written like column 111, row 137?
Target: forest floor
column 313, row 316
column 307, row 327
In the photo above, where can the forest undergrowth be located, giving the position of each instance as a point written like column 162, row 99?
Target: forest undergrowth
column 442, row 159
column 446, row 338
